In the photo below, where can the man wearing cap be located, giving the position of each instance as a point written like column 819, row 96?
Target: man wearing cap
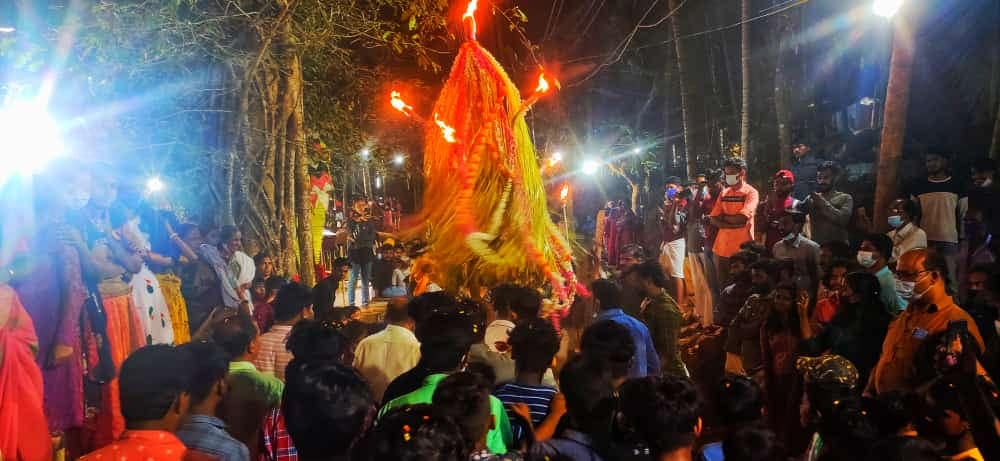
column 773, row 207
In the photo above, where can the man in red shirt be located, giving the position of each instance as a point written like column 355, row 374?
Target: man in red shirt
column 153, row 387
column 733, row 214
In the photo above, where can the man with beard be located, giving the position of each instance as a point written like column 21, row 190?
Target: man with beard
column 743, row 342
column 983, row 305
column 773, row 208
column 737, row 290
column 943, row 203
column 983, row 193
column 804, row 167
column 829, row 209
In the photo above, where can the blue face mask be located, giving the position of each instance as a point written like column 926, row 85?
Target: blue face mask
column 895, row 221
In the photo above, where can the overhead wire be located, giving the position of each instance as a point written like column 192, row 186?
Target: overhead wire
column 776, row 9
column 623, row 46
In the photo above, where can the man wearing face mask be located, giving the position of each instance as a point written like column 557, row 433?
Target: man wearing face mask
column 872, row 256
column 829, row 209
column 802, row 252
column 905, row 234
column 921, row 279
column 733, row 214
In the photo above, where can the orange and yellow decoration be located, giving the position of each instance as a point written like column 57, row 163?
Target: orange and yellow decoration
column 485, row 214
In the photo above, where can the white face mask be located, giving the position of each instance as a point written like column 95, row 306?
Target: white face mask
column 866, row 259
column 732, row 179
column 905, row 290
column 791, row 236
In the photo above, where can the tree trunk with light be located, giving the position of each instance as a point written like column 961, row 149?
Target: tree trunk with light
column 745, row 78
column 897, row 102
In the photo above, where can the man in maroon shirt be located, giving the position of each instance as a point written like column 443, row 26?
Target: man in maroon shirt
column 773, row 208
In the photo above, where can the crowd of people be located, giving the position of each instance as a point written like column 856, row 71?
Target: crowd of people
column 130, row 334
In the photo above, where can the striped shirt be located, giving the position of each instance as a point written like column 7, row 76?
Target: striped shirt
column 537, row 398
column 272, row 358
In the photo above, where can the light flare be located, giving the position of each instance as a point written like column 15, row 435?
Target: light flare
column 446, row 131
column 564, row 192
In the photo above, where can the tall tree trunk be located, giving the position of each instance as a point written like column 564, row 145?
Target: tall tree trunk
column 690, row 149
column 668, row 131
column 781, row 109
column 897, row 101
column 745, row 76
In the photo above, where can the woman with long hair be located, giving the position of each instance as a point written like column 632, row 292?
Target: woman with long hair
column 859, row 328
column 780, row 335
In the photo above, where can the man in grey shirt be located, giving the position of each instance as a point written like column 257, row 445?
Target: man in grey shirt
column 829, row 209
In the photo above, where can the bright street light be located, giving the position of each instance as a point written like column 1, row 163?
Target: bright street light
column 154, row 184
column 29, row 139
column 637, row 151
column 590, row 167
column 399, row 159
column 378, row 182
column 365, row 153
column 886, row 8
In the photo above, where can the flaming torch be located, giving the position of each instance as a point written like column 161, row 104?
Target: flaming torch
column 470, row 15
column 564, row 198
column 543, row 87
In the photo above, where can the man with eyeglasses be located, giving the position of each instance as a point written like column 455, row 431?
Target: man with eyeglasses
column 921, row 280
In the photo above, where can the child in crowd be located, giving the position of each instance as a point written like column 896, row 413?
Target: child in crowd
column 534, row 344
column 465, row 398
column 741, row 405
column 413, row 433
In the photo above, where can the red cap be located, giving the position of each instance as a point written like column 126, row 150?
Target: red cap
column 785, row 174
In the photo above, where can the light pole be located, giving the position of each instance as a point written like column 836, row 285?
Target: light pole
column 897, row 101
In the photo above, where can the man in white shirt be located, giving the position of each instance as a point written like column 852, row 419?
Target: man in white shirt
column 905, row 234
column 383, row 356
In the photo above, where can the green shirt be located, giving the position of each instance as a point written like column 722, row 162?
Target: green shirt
column 258, row 383
column 664, row 320
column 497, row 440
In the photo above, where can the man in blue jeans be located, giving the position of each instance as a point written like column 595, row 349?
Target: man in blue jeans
column 361, row 226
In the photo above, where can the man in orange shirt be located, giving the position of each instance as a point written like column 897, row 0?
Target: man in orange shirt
column 920, row 280
column 733, row 214
column 153, row 385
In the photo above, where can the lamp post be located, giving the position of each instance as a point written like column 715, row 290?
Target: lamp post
column 897, row 101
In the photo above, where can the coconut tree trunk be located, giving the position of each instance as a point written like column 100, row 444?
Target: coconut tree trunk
column 687, row 122
column 745, row 76
column 995, row 145
column 781, row 109
column 897, row 101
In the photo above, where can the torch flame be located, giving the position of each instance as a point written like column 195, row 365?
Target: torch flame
column 470, row 14
column 399, row 104
column 446, row 131
column 543, row 85
column 564, row 192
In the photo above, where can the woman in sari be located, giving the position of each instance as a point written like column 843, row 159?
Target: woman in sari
column 21, row 388
column 114, row 265
column 151, row 306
